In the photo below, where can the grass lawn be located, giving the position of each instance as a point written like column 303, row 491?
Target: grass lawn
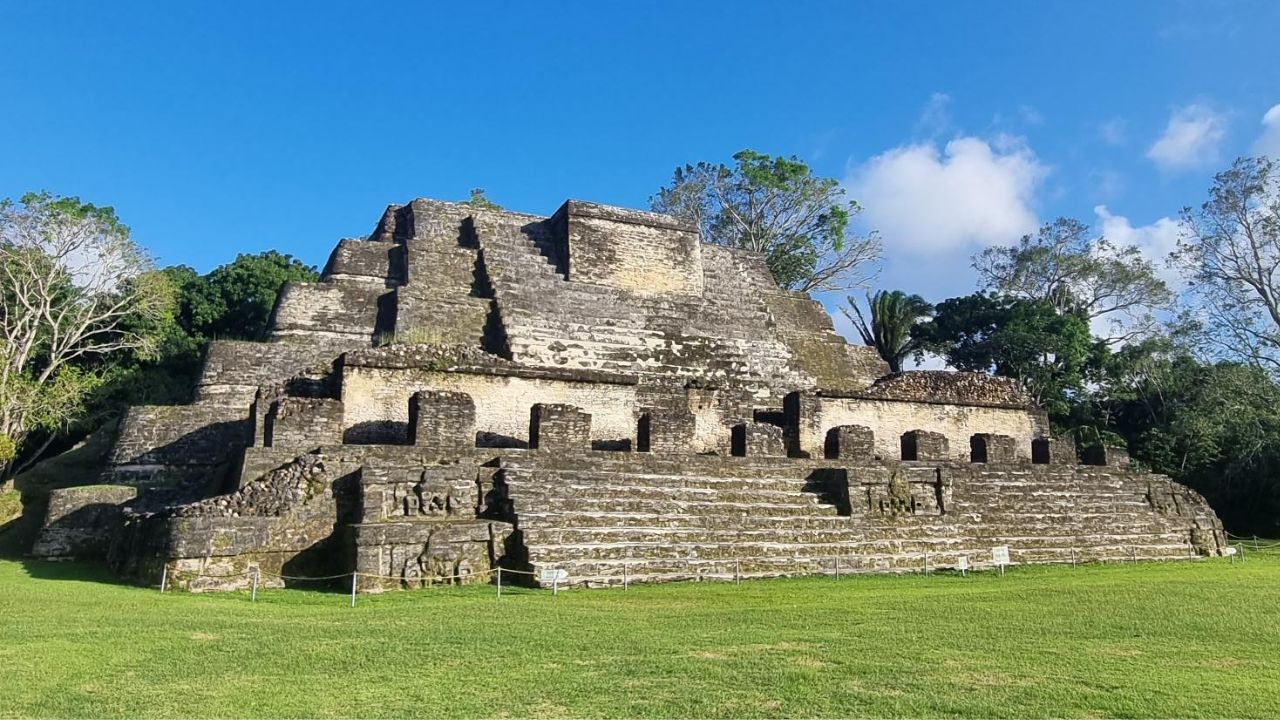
column 1175, row 639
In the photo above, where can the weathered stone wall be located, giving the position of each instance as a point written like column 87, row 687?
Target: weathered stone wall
column 233, row 370
column 167, row 445
column 304, row 423
column 714, row 517
column 377, row 402
column 350, row 311
column 636, row 251
column 409, row 555
column 80, row 522
column 443, row 422
column 889, row 419
column 380, row 263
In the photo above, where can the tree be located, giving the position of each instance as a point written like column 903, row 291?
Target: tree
column 1230, row 255
column 1213, row 426
column 1029, row 340
column 479, row 200
column 775, row 206
column 1065, row 265
column 74, row 289
column 235, row 300
column 892, row 316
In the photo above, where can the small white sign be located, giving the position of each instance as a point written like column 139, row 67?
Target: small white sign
column 552, row 575
column 1000, row 555
column 962, row 562
column 1229, row 551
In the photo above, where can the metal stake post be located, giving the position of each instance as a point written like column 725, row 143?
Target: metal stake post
column 926, row 563
column 1255, row 543
column 164, row 576
column 1133, row 554
column 499, row 582
column 624, row 578
column 837, row 567
column 353, row 589
column 253, row 597
column 1073, row 557
column 555, row 585
column 737, row 572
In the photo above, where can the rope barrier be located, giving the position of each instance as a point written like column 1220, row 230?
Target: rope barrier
column 1248, row 543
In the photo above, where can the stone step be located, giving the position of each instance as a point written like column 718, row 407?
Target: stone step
column 669, row 507
column 545, row 518
column 660, row 471
column 935, row 536
column 551, row 481
column 611, row 572
column 789, row 548
column 553, row 491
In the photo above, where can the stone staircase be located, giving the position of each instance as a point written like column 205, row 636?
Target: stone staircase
column 705, row 517
column 552, row 321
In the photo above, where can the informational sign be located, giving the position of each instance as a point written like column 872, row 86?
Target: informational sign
column 1000, row 555
column 962, row 563
column 1229, row 551
column 553, row 575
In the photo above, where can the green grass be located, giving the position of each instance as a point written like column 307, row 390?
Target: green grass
column 1175, row 639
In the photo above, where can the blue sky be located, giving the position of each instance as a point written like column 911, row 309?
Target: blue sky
column 217, row 128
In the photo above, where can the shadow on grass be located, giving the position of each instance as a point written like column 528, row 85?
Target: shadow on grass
column 70, row 571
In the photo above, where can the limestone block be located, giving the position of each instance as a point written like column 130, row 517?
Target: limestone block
column 559, row 428
column 1053, row 451
column 1108, row 455
column 758, row 440
column 304, row 422
column 850, row 442
column 442, row 421
column 414, row 554
column 666, row 431
column 801, row 412
column 992, row 448
column 924, row 445
column 80, row 521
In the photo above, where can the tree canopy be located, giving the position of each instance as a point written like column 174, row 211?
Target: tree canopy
column 1029, row 340
column 235, row 300
column 74, row 290
column 1065, row 265
column 1230, row 256
column 778, row 207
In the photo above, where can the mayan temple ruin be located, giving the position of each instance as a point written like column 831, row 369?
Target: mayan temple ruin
column 596, row 392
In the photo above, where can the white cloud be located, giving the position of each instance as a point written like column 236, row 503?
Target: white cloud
column 1191, row 138
column 1268, row 143
column 1155, row 241
column 926, row 200
column 1114, row 132
column 935, row 119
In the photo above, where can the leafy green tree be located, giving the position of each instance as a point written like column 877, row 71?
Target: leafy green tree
column 888, row 329
column 75, row 291
column 235, row 300
column 1214, row 427
column 1077, row 272
column 1047, row 351
column 778, row 207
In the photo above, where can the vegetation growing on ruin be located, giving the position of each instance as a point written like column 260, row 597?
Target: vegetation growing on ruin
column 1146, row 640
column 775, row 206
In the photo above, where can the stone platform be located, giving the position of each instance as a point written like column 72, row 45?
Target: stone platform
column 595, row 391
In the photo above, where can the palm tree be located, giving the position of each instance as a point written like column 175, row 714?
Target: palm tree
column 893, row 314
